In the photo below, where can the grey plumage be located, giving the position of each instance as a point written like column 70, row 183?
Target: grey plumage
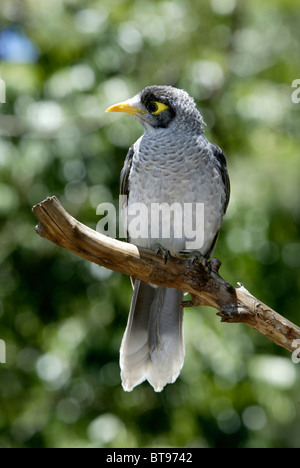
column 153, row 344
column 171, row 163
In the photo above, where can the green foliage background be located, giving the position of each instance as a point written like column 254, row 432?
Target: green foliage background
column 62, row 318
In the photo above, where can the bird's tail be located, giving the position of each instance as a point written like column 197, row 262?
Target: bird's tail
column 153, row 344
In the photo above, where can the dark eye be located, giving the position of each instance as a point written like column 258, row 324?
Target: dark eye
column 152, row 107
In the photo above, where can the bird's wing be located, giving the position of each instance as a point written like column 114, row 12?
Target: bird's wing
column 124, row 178
column 124, row 186
column 222, row 167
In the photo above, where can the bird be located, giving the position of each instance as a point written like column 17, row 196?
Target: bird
column 171, row 164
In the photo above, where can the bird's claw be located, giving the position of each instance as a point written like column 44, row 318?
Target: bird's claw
column 194, row 256
column 159, row 249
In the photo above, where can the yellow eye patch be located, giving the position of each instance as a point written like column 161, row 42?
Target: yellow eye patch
column 156, row 107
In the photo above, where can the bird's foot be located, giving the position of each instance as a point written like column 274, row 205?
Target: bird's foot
column 159, row 249
column 194, row 256
column 197, row 256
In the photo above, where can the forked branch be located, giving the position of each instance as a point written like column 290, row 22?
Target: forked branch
column 204, row 284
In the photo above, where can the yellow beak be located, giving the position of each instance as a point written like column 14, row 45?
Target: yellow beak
column 125, row 107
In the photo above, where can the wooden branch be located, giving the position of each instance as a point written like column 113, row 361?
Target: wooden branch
column 204, row 284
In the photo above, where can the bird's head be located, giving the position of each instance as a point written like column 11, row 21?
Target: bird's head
column 161, row 107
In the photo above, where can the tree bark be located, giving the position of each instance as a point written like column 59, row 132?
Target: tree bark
column 203, row 282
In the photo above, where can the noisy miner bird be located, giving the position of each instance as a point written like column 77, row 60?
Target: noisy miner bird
column 171, row 163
